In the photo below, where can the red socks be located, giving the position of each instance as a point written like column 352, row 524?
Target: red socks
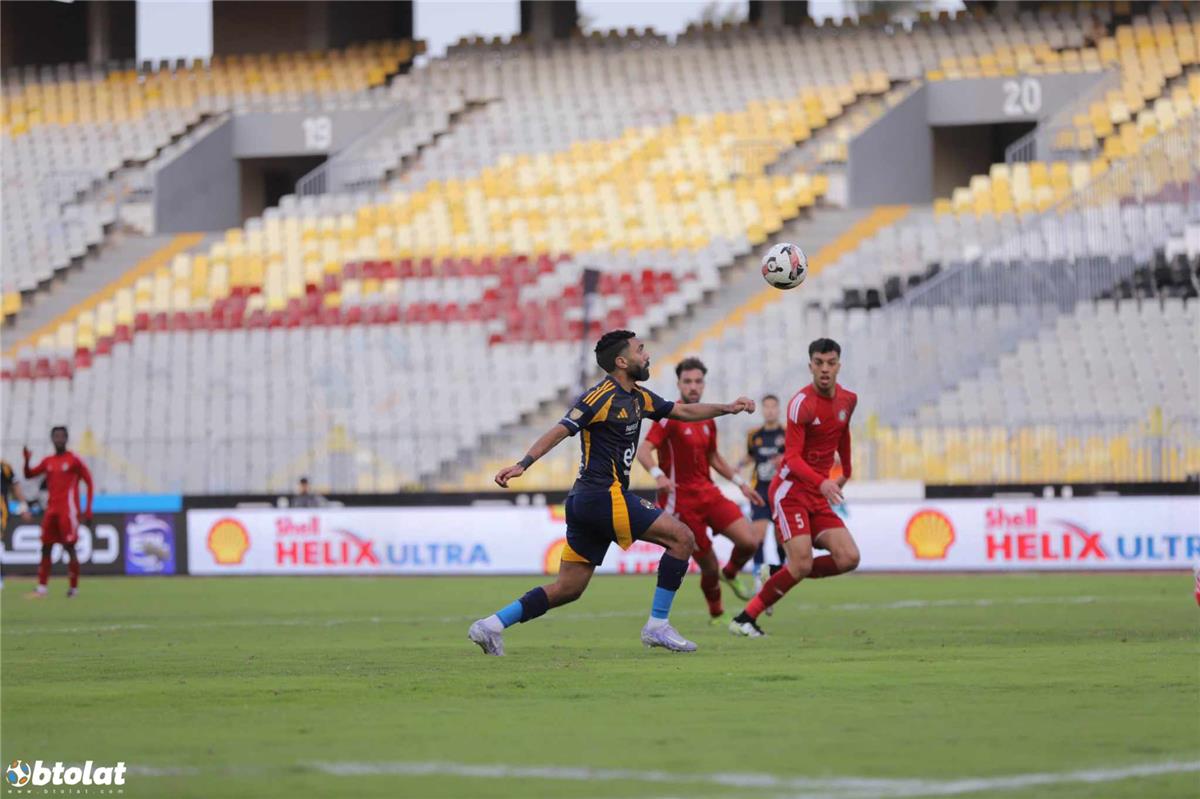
column 44, row 571
column 737, row 559
column 711, row 586
column 73, row 572
column 824, row 567
column 772, row 591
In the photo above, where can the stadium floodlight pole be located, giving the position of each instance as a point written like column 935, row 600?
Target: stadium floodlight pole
column 591, row 295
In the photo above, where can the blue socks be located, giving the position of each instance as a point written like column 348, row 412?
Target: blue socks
column 670, row 576
column 535, row 603
column 759, row 557
column 510, row 614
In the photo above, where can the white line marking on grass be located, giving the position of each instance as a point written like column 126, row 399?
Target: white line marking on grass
column 899, row 604
column 810, row 787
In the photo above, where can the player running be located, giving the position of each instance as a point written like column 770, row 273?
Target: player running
column 801, row 494
column 764, row 451
column 686, row 452
column 60, row 523
column 600, row 508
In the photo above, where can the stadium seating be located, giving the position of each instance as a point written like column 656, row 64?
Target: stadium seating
column 67, row 129
column 460, row 277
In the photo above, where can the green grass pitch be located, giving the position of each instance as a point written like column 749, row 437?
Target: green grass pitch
column 868, row 686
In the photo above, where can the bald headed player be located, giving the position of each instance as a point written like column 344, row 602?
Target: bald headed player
column 687, row 452
column 802, row 493
column 600, row 508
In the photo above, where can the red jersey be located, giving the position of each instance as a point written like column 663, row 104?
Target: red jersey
column 63, row 473
column 683, row 450
column 817, row 427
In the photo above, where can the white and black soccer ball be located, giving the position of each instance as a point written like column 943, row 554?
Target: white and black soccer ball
column 785, row 266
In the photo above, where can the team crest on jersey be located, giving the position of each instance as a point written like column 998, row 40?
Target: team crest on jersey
column 842, row 415
column 574, row 415
column 622, row 414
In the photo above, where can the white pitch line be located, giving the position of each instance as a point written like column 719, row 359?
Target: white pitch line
column 810, row 787
column 792, row 787
column 900, row 604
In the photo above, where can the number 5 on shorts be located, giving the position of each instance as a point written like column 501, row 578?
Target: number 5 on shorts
column 800, row 521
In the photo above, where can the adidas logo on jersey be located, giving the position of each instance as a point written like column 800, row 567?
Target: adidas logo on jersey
column 622, row 414
column 816, row 420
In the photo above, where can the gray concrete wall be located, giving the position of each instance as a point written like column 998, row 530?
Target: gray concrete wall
column 892, row 160
column 981, row 101
column 318, row 132
column 198, row 189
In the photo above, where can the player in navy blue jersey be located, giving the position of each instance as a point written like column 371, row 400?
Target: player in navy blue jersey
column 600, row 507
column 764, row 451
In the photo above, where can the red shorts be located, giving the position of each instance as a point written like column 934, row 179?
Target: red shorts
column 60, row 527
column 701, row 510
column 798, row 512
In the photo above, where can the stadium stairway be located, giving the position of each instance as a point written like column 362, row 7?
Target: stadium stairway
column 119, row 263
column 825, row 234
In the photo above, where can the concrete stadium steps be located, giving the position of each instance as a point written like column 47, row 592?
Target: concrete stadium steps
column 116, row 263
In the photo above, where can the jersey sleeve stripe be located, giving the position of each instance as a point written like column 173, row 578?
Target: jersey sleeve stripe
column 598, row 392
column 794, row 408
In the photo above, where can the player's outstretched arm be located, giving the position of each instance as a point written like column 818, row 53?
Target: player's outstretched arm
column 698, row 411
column 36, row 470
column 548, row 441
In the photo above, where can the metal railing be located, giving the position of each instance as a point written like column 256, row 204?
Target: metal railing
column 356, row 167
column 1041, row 143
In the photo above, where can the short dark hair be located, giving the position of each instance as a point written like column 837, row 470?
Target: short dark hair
column 688, row 364
column 824, row 345
column 58, row 427
column 770, row 397
column 610, row 346
column 303, row 481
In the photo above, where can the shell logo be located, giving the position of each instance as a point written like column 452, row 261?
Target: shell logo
column 553, row 557
column 930, row 535
column 228, row 541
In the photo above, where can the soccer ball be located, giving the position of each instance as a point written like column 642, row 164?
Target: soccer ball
column 785, row 266
column 18, row 774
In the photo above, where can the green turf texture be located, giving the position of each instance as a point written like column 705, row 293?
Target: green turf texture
column 252, row 681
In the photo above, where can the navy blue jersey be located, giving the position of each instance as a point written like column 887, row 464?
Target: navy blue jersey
column 763, row 446
column 610, row 418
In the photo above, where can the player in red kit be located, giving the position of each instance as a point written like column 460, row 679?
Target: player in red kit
column 60, row 524
column 686, row 452
column 802, row 493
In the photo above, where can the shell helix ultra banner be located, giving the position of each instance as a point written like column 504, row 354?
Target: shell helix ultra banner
column 909, row 535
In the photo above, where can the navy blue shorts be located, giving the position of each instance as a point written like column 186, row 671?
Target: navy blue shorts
column 761, row 513
column 596, row 519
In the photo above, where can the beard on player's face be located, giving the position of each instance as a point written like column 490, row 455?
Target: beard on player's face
column 637, row 371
